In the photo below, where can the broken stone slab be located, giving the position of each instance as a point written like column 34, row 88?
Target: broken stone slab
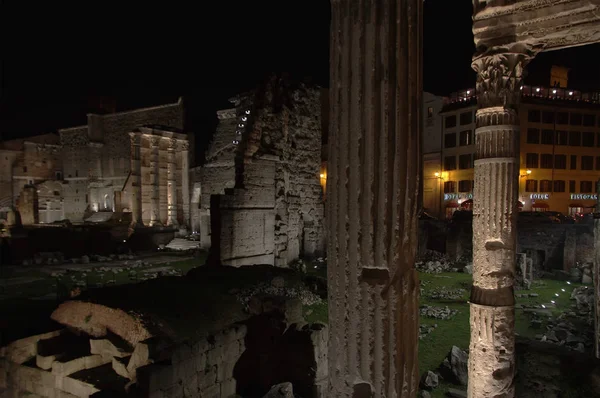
column 282, row 390
column 455, row 366
column 106, row 348
column 75, row 387
column 119, row 365
column 77, row 364
column 429, row 380
column 96, row 320
column 146, row 353
column 22, row 350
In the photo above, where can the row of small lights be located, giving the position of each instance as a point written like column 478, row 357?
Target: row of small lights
column 537, row 90
column 241, row 125
column 558, row 295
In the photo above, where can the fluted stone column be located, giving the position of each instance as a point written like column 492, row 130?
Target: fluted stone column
column 597, row 273
column 185, row 181
column 492, row 347
column 155, row 174
column 171, row 183
column 136, row 178
column 372, row 191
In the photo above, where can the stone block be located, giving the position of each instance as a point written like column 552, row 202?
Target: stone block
column 213, row 391
column 184, row 370
column 75, row 365
column 207, row 378
column 45, row 362
column 190, row 386
column 155, row 376
column 225, row 370
column 200, row 362
column 228, row 388
column 181, row 353
column 174, row 391
column 76, row 387
column 231, row 352
column 119, row 365
column 106, row 348
column 93, row 361
column 215, row 356
column 156, row 394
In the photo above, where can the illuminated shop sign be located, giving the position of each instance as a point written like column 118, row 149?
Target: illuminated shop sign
column 540, row 196
column 458, row 196
column 584, row 196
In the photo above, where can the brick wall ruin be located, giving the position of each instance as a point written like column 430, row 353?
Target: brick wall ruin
column 271, row 141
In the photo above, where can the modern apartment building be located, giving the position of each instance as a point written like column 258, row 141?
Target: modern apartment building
column 560, row 151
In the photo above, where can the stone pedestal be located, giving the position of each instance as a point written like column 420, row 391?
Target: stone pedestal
column 491, row 354
column 171, row 183
column 372, row 191
column 136, row 179
column 155, row 177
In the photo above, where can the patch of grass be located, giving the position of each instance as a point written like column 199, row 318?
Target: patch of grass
column 316, row 313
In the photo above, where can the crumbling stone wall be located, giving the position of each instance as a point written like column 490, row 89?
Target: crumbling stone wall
column 27, row 205
column 218, row 172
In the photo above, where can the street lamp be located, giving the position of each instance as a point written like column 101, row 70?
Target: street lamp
column 526, row 173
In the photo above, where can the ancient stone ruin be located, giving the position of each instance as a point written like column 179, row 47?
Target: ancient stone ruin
column 259, row 194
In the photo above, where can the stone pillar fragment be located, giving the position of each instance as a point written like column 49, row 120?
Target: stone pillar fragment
column 171, row 183
column 372, row 191
column 155, row 175
column 491, row 353
column 597, row 273
column 136, row 178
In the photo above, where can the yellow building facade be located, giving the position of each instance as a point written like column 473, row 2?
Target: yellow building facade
column 560, row 151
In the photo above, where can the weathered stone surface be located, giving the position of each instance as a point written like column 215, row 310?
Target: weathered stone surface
column 372, row 189
column 96, row 319
column 283, row 390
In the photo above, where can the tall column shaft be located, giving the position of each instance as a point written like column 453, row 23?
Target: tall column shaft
column 155, row 175
column 372, row 191
column 597, row 274
column 185, row 182
column 491, row 352
column 136, row 178
column 171, row 183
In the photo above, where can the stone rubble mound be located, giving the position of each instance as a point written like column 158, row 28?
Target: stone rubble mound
column 183, row 244
column 443, row 313
column 277, row 288
column 454, row 368
column 432, row 262
column 424, row 330
column 444, row 293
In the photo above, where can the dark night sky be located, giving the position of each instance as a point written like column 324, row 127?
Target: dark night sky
column 208, row 55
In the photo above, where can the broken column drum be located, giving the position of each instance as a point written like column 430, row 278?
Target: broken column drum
column 155, row 175
column 171, row 183
column 491, row 355
column 372, row 191
column 136, row 178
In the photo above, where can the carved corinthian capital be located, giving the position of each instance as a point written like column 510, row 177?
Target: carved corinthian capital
column 500, row 75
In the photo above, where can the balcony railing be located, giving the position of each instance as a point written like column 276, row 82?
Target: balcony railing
column 533, row 92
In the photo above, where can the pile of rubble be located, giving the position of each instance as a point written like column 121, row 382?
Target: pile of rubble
column 582, row 273
column 453, row 369
column 437, row 312
column 277, row 287
column 432, row 262
column 424, row 330
column 444, row 293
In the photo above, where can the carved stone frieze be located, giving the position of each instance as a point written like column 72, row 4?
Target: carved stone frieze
column 184, row 146
column 155, row 141
column 500, row 74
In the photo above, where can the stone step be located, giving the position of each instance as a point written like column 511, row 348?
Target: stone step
column 183, row 244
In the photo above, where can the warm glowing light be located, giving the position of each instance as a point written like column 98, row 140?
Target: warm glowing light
column 322, row 175
column 570, row 93
column 537, row 90
column 437, row 174
column 521, row 88
column 528, row 171
column 553, row 91
column 468, row 92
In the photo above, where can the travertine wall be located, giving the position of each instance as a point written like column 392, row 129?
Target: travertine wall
column 204, row 368
column 280, row 124
column 27, row 205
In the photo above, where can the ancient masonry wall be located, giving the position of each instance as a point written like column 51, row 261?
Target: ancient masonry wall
column 204, row 368
column 292, row 135
column 218, row 173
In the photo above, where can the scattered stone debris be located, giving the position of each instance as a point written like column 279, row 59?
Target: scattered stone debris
column 444, row 293
column 277, row 288
column 432, row 262
column 429, row 380
column 444, row 313
column 282, row 390
column 454, row 368
column 424, row 330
